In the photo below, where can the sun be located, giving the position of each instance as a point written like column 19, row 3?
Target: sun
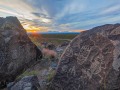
column 32, row 31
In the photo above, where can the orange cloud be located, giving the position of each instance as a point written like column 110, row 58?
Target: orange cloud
column 78, row 30
column 30, row 28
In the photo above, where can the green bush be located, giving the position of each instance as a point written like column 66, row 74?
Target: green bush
column 50, row 75
column 27, row 73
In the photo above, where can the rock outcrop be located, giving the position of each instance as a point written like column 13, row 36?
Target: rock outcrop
column 26, row 83
column 91, row 61
column 17, row 52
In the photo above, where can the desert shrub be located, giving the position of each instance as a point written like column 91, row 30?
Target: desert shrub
column 49, row 53
column 27, row 73
column 50, row 75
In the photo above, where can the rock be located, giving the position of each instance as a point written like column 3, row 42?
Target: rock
column 59, row 49
column 64, row 44
column 26, row 83
column 53, row 64
column 51, row 46
column 44, row 44
column 91, row 61
column 9, row 85
column 17, row 52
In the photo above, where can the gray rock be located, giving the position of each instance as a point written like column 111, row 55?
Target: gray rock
column 17, row 52
column 59, row 49
column 26, row 83
column 91, row 61
column 64, row 44
column 9, row 85
column 51, row 46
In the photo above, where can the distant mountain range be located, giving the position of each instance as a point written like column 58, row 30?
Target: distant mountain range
column 56, row 32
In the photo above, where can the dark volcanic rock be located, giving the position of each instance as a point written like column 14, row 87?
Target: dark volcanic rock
column 17, row 52
column 26, row 83
column 91, row 61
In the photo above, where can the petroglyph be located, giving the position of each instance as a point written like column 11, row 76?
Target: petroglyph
column 96, row 64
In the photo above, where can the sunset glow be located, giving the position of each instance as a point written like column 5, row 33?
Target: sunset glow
column 28, row 27
column 62, row 15
column 79, row 30
column 34, row 29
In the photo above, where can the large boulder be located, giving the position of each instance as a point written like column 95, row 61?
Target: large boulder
column 26, row 83
column 91, row 61
column 17, row 52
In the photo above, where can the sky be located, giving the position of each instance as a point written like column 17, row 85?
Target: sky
column 61, row 15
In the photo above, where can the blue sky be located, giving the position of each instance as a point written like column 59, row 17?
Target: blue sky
column 62, row 15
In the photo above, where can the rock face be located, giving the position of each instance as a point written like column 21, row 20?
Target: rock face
column 17, row 52
column 91, row 61
column 26, row 83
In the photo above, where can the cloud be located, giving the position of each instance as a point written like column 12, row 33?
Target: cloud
column 72, row 7
column 111, row 9
column 10, row 12
column 62, row 15
column 77, row 30
column 41, row 15
column 31, row 25
column 48, row 8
